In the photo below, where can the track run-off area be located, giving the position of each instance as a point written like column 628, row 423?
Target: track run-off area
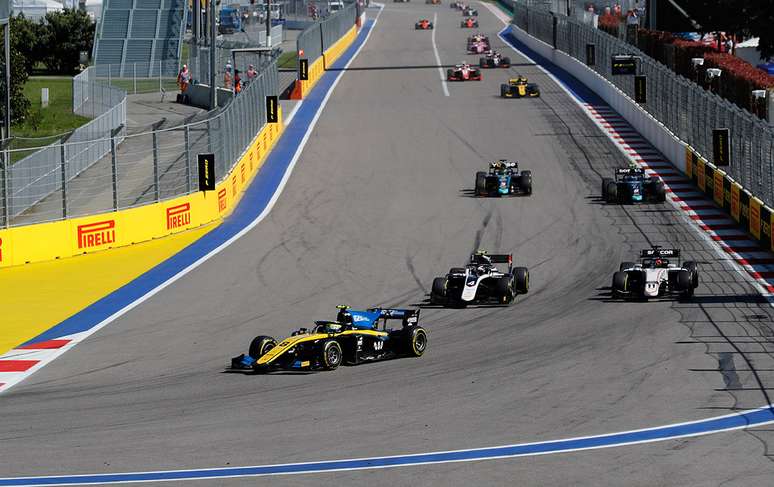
column 377, row 204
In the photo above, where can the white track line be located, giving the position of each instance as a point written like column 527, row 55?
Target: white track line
column 438, row 57
column 221, row 247
column 729, row 257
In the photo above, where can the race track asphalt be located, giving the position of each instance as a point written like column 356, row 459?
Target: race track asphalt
column 377, row 206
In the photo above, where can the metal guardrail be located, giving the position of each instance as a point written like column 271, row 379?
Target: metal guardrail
column 321, row 35
column 684, row 108
column 131, row 170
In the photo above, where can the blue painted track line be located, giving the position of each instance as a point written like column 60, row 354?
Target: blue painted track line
column 746, row 419
column 253, row 203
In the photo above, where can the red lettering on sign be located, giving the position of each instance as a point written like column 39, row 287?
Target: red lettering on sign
column 178, row 216
column 233, row 185
column 96, row 234
column 1, row 249
column 242, row 171
column 222, row 200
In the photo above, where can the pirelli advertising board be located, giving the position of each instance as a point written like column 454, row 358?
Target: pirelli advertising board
column 66, row 238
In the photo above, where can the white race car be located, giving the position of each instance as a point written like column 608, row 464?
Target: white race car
column 481, row 282
column 659, row 273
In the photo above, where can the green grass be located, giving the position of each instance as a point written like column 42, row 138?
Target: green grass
column 58, row 116
column 55, row 119
column 287, row 60
column 143, row 85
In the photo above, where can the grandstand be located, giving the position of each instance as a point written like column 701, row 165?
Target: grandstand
column 139, row 37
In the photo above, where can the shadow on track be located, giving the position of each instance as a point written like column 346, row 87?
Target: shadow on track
column 388, row 68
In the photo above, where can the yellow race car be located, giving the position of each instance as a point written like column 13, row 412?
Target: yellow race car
column 519, row 88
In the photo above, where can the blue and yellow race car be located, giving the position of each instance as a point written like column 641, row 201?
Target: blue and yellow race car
column 354, row 337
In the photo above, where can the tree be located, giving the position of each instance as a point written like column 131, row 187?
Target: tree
column 65, row 34
column 25, row 38
column 20, row 105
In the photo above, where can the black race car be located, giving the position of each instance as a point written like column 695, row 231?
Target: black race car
column 503, row 179
column 353, row 338
column 457, row 5
column 469, row 12
column 481, row 281
column 632, row 186
column 494, row 59
column 519, row 88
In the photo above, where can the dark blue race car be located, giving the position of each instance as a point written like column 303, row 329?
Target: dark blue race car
column 630, row 185
column 503, row 179
column 353, row 338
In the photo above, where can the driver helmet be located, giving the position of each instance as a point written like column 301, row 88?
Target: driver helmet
column 659, row 262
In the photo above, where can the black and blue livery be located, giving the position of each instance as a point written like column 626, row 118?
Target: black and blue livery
column 631, row 185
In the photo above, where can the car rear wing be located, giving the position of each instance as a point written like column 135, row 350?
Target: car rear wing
column 623, row 171
column 408, row 316
column 660, row 253
column 495, row 258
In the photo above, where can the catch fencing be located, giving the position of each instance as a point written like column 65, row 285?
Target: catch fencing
column 688, row 111
column 318, row 37
column 125, row 171
column 34, row 174
column 133, row 78
column 199, row 56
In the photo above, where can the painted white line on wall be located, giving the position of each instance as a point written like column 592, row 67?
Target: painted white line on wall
column 438, row 57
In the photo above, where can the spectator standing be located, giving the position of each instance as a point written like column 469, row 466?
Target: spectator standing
column 251, row 73
column 183, row 78
column 227, row 77
column 237, row 82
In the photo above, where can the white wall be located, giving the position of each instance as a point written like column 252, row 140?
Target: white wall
column 650, row 128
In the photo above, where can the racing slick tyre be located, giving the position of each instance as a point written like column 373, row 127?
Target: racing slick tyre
column 416, row 341
column 685, row 283
column 525, row 182
column 521, row 279
column 693, row 268
column 505, row 62
column 659, row 192
column 331, row 355
column 605, row 184
column 612, row 192
column 620, row 284
column 504, row 89
column 482, row 62
column 625, row 265
column 504, row 289
column 438, row 292
column 260, row 345
column 449, row 74
column 481, row 183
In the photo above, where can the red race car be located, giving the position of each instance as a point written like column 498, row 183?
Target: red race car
column 423, row 24
column 469, row 23
column 463, row 72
